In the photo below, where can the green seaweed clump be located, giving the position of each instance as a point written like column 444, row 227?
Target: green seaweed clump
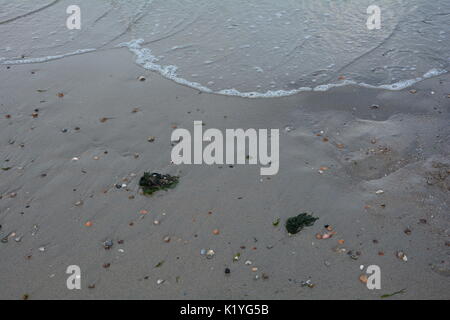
column 152, row 182
column 296, row 224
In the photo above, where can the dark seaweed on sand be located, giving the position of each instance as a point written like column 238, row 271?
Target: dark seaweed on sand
column 296, row 224
column 152, row 182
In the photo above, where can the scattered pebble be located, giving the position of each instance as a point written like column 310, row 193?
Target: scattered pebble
column 210, row 254
column 402, row 256
column 363, row 278
column 308, row 283
column 108, row 244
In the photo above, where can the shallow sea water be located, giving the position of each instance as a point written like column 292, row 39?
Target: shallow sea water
column 248, row 48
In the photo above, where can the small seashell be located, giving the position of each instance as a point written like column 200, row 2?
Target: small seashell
column 308, row 283
column 363, row 278
column 402, row 256
column 379, row 192
column 210, row 254
column 142, row 78
column 160, row 281
column 216, row 232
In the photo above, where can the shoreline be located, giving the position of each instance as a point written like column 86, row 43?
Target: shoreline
column 393, row 147
column 145, row 59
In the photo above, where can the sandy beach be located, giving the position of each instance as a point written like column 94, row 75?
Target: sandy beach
column 371, row 164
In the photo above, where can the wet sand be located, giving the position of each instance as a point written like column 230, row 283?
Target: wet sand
column 400, row 146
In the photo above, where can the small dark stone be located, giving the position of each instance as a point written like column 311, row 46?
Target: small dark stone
column 227, row 271
column 108, row 244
